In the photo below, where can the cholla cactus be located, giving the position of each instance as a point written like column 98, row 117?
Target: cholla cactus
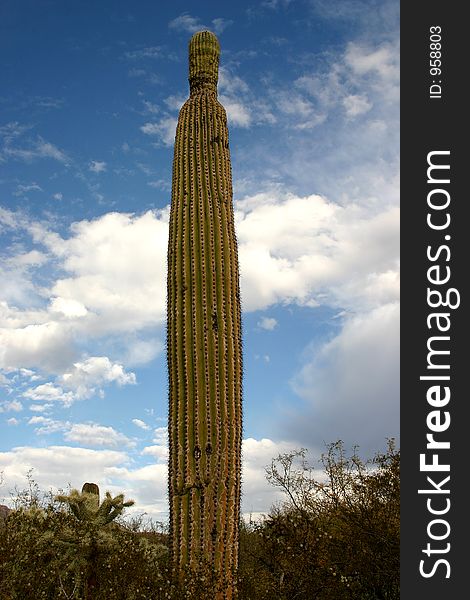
column 86, row 505
column 204, row 333
column 95, row 538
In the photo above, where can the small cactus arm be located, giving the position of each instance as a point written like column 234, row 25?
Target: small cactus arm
column 204, row 333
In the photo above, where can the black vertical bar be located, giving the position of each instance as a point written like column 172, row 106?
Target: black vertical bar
column 434, row 118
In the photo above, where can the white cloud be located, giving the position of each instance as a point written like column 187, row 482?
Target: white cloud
column 275, row 4
column 230, row 83
column 58, row 196
column 41, row 149
column 141, row 352
column 356, row 104
column 44, row 345
column 381, row 61
column 13, row 421
column 268, row 323
column 238, row 114
column 136, row 72
column 97, row 166
column 150, row 108
column 40, row 407
column 185, row 22
column 10, row 405
column 91, row 434
column 26, row 259
column 148, row 53
column 141, row 424
column 306, row 250
column 161, row 436
column 89, row 376
column 67, row 307
column 36, row 420
column 258, row 494
column 56, row 466
column 114, row 284
column 85, row 434
column 221, row 25
column 13, row 130
column 50, row 393
column 84, row 380
column 266, row 358
column 159, row 452
column 47, row 425
column 164, row 130
column 175, row 102
column 117, row 263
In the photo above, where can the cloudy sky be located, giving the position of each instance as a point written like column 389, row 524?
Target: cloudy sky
column 88, row 109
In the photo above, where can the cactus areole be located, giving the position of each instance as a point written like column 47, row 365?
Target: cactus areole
column 204, row 333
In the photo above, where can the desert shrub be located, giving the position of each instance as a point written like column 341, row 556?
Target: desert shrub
column 47, row 552
column 334, row 537
column 331, row 539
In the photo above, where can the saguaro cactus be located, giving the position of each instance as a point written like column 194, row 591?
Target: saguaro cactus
column 204, row 333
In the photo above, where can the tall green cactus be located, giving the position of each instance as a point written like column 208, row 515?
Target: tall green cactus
column 204, row 333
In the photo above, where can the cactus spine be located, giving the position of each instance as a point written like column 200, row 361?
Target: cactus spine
column 204, row 333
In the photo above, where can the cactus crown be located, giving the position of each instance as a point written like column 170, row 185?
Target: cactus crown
column 204, row 52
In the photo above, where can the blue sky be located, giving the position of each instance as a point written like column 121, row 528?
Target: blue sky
column 88, row 108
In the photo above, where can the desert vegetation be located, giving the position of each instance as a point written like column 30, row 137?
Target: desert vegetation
column 204, row 346
column 334, row 536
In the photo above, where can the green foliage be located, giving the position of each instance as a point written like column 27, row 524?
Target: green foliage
column 69, row 546
column 334, row 537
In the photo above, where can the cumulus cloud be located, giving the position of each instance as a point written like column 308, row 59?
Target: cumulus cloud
column 238, row 114
column 114, row 283
column 84, row 380
column 306, row 250
column 161, row 436
column 91, row 434
column 95, row 371
column 9, row 405
column 57, row 465
column 159, row 452
column 47, row 426
column 39, row 345
column 68, row 307
column 258, row 494
column 141, row 424
column 309, row 250
column 164, row 130
column 50, row 393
